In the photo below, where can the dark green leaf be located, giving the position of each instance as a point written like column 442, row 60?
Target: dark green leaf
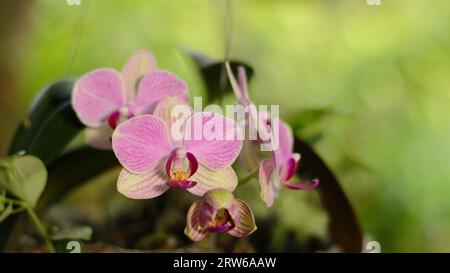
column 343, row 224
column 50, row 126
column 214, row 74
column 65, row 174
column 73, row 169
column 6, row 212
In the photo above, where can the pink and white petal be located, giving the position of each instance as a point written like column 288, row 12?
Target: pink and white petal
column 174, row 111
column 140, row 64
column 97, row 95
column 141, row 142
column 238, row 92
column 209, row 179
column 156, row 86
column 285, row 141
column 269, row 180
column 193, row 229
column 245, row 225
column 214, row 139
column 142, row 186
column 99, row 137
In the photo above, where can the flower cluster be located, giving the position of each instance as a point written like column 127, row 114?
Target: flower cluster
column 143, row 114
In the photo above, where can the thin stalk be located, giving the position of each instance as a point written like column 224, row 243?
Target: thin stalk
column 248, row 177
column 40, row 228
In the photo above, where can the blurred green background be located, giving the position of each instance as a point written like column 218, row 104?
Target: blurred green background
column 379, row 75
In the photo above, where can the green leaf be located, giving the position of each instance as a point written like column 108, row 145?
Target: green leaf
column 343, row 224
column 214, row 74
column 24, row 176
column 50, row 126
column 74, row 233
column 2, row 194
column 73, row 169
column 66, row 173
column 6, row 212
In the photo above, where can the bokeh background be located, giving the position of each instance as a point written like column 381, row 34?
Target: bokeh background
column 369, row 84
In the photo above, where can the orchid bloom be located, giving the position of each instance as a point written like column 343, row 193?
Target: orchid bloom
column 280, row 167
column 219, row 211
column 105, row 97
column 155, row 161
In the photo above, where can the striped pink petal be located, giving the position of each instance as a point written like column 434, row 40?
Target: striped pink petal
column 140, row 63
column 209, row 179
column 156, row 86
column 285, row 141
column 142, row 186
column 269, row 180
column 214, row 140
column 141, row 142
column 193, row 229
column 245, row 225
column 97, row 95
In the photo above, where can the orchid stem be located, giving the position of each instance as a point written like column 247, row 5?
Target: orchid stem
column 248, row 177
column 40, row 228
column 34, row 218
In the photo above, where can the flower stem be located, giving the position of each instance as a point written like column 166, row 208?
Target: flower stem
column 248, row 177
column 40, row 228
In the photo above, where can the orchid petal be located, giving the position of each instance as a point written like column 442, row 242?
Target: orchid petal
column 290, row 167
column 97, row 95
column 214, row 200
column 246, row 223
column 285, row 141
column 269, row 181
column 219, row 198
column 140, row 63
column 238, row 92
column 209, row 179
column 213, row 139
column 166, row 110
column 142, row 186
column 186, row 184
column 141, row 142
column 156, row 86
column 193, row 164
column 99, row 137
column 302, row 186
column 193, row 229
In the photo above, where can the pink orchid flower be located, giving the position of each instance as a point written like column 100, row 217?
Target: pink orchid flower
column 105, row 97
column 280, row 167
column 155, row 161
column 219, row 211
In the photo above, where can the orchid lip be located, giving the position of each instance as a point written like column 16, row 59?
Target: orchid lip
column 113, row 119
column 221, row 221
column 302, row 186
column 292, row 166
column 192, row 168
column 186, row 184
column 220, row 228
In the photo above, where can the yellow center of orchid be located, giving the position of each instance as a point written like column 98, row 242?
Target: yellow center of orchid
column 179, row 175
column 221, row 217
